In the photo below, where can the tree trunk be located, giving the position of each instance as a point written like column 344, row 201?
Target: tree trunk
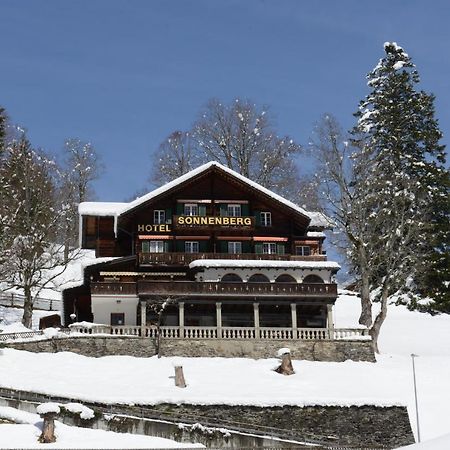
column 366, row 305
column 27, row 308
column 179, row 377
column 286, row 365
column 375, row 329
column 48, row 429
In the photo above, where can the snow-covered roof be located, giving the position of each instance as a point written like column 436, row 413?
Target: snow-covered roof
column 264, row 263
column 101, row 208
column 117, row 209
column 316, row 234
column 202, row 169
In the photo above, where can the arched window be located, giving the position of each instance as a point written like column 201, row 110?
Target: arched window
column 258, row 278
column 312, row 279
column 285, row 278
column 231, row 278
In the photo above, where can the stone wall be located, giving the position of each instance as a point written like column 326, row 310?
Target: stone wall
column 321, row 350
column 360, row 427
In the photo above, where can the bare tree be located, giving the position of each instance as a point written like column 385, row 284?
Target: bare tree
column 240, row 136
column 336, row 175
column 176, row 156
column 81, row 166
column 30, row 218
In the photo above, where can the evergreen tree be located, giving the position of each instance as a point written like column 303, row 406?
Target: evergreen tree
column 398, row 178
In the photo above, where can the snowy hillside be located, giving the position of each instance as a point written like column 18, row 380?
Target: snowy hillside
column 245, row 381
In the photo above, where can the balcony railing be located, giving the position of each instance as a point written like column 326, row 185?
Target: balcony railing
column 209, row 333
column 212, row 288
column 184, row 259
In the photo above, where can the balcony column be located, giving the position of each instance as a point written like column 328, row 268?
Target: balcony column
column 294, row 320
column 181, row 318
column 143, row 304
column 256, row 319
column 219, row 320
column 330, row 324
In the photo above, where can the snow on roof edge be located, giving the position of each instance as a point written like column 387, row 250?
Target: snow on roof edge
column 264, row 263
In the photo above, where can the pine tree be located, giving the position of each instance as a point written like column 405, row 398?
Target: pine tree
column 3, row 123
column 398, row 174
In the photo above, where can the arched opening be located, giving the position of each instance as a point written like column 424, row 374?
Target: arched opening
column 231, row 278
column 313, row 279
column 285, row 278
column 258, row 278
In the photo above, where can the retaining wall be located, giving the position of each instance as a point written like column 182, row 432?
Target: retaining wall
column 96, row 346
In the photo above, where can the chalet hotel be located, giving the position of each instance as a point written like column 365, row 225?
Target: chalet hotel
column 231, row 258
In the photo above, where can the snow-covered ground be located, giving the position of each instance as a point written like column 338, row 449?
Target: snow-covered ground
column 246, row 381
column 28, row 427
column 10, row 319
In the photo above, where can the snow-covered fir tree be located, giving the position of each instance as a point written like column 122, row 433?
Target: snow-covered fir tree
column 30, row 218
column 398, row 177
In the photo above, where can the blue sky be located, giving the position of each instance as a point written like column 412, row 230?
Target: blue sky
column 124, row 74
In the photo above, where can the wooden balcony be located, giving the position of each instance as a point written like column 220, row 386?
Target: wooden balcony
column 214, row 289
column 183, row 259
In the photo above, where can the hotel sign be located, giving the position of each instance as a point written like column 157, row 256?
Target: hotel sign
column 197, row 221
column 213, row 221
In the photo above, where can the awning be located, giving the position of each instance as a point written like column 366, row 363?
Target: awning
column 234, row 238
column 269, row 239
column 157, row 237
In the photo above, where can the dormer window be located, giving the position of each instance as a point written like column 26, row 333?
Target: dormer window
column 190, row 209
column 266, row 219
column 159, row 216
column 234, row 211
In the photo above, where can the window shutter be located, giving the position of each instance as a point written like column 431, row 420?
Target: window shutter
column 180, row 209
column 169, row 215
column 244, row 210
column 179, row 246
column 280, row 249
column 203, row 246
column 223, row 246
column 258, row 249
column 202, row 210
column 246, row 248
column 223, row 210
column 166, row 246
column 258, row 218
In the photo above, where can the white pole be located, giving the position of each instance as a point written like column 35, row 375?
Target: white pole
column 415, row 395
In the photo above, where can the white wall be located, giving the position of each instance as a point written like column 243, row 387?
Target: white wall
column 104, row 305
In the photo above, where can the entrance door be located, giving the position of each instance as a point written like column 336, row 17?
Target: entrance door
column 117, row 318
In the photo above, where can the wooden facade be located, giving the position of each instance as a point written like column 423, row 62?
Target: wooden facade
column 216, row 245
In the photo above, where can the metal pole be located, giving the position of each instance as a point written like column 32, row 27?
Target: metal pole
column 415, row 396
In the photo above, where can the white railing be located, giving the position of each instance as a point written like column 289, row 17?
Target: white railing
column 238, row 333
column 276, row 333
column 200, row 333
column 263, row 333
column 351, row 333
column 310, row 334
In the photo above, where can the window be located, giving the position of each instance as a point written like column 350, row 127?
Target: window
column 191, row 209
column 266, row 219
column 234, row 210
column 269, row 248
column 235, row 247
column 231, row 278
column 159, row 216
column 302, row 250
column 153, row 246
column 117, row 318
column 258, row 278
column 312, row 279
column 191, row 247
